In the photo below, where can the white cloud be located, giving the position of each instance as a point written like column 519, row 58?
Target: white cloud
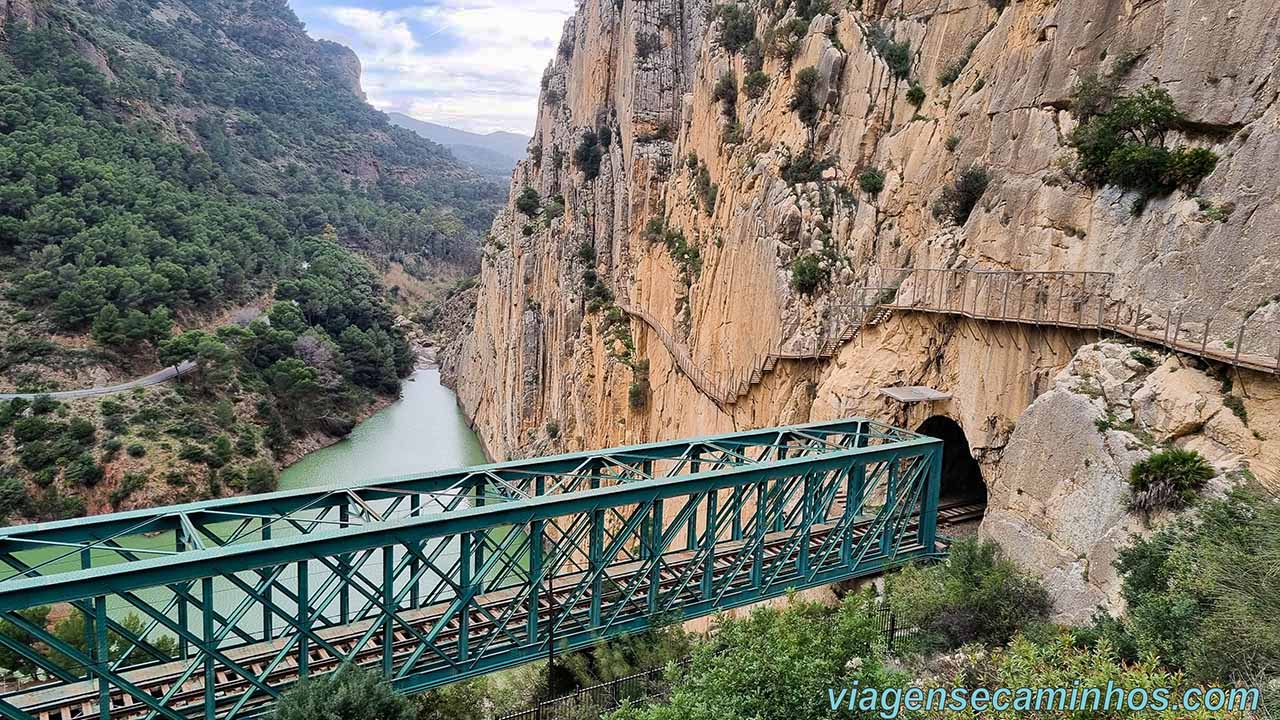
column 474, row 64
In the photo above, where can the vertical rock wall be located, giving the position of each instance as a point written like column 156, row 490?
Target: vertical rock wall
column 552, row 363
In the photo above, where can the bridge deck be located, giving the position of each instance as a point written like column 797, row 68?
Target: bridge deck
column 432, row 579
column 72, row 702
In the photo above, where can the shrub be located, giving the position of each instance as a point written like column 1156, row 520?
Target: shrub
column 871, row 181
column 807, row 274
column 83, row 471
column 784, row 40
column 1202, row 593
column 897, row 55
column 804, row 167
column 260, row 477
column 136, row 450
column 638, row 393
column 13, row 497
column 731, row 133
column 349, row 694
column 43, row 405
column 915, row 95
column 464, row 700
column 587, row 251
column 1188, row 166
column 777, row 663
column 952, row 143
column 82, row 431
column 976, row 595
column 588, row 154
column 803, row 102
column 706, row 190
column 31, row 429
column 528, row 201
column 1121, row 140
column 553, row 429
column 737, row 27
column 951, row 72
column 647, row 43
column 1168, row 479
column 755, row 83
column 959, row 198
column 555, row 208
column 726, row 92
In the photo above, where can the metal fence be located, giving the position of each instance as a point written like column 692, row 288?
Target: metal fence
column 592, row 702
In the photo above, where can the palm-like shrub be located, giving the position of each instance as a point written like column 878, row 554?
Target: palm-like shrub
column 1168, row 479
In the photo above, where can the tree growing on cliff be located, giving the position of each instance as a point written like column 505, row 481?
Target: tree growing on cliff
column 528, row 201
column 737, row 27
column 1121, row 140
column 588, row 155
column 807, row 274
column 803, row 101
column 960, row 197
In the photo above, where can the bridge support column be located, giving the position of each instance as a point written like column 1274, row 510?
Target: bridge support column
column 210, row 644
column 267, row 615
column 595, row 564
column 929, row 505
column 389, row 606
column 535, row 578
column 102, row 655
column 806, row 523
column 415, row 509
column 709, row 564
column 655, row 555
column 691, row 536
column 464, row 592
column 890, row 500
column 762, row 518
column 344, row 568
column 855, row 485
column 304, row 620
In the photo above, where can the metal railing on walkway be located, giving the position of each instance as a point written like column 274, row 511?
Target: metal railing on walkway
column 594, row 701
column 1082, row 300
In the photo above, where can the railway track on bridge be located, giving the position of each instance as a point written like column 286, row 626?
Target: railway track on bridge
column 80, row 701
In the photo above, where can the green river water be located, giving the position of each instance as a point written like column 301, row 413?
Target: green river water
column 424, row 430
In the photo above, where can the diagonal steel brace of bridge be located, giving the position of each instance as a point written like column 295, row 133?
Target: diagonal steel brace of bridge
column 213, row 609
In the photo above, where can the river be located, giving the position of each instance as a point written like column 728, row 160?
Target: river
column 423, row 430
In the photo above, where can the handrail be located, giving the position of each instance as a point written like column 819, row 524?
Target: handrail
column 1083, row 300
column 1079, row 300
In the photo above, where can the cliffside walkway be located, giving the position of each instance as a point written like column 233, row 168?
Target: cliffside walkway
column 1068, row 300
column 155, row 378
column 212, row 610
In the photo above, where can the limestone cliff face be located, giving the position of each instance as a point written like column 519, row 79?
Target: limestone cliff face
column 550, row 361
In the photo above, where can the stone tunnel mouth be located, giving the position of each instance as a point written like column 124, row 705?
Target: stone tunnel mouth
column 962, row 496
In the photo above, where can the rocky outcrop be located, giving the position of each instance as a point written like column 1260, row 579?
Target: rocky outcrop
column 1058, row 502
column 742, row 190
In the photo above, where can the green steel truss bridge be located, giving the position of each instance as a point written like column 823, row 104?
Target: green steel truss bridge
column 212, row 609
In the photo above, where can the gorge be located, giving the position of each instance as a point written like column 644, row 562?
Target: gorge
column 726, row 182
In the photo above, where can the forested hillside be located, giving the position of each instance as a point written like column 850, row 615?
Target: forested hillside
column 189, row 181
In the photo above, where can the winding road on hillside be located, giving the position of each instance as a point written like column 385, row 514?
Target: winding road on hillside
column 155, row 378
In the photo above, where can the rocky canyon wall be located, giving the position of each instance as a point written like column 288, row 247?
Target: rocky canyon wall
column 657, row 190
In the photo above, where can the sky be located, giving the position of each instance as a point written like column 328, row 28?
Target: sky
column 471, row 64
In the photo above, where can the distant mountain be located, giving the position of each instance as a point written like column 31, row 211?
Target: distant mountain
column 493, row 154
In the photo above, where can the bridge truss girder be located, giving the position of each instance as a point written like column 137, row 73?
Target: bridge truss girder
column 429, row 579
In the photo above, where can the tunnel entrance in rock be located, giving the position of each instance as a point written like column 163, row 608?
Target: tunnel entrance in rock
column 961, row 475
